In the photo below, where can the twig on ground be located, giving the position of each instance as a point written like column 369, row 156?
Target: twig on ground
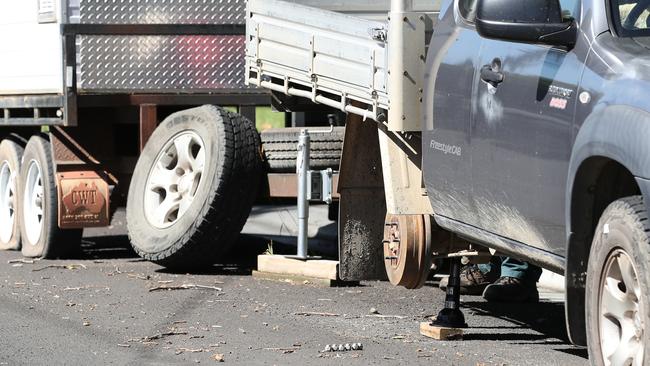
column 185, row 286
column 61, row 266
column 149, row 339
column 189, row 350
column 385, row 316
column 282, row 349
column 311, row 313
column 24, row 261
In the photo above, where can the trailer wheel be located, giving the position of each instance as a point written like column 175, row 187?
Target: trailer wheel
column 11, row 152
column 617, row 309
column 40, row 233
column 193, row 187
column 280, row 149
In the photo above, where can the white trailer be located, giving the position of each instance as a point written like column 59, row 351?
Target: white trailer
column 110, row 103
column 83, row 86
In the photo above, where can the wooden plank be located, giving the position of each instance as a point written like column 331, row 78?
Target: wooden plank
column 440, row 333
column 325, row 269
column 294, row 279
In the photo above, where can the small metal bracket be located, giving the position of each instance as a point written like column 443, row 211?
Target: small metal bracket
column 379, row 34
column 320, row 185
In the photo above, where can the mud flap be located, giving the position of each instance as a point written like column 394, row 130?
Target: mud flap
column 362, row 204
column 82, row 184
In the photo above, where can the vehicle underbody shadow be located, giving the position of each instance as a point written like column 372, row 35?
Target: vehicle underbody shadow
column 545, row 318
column 106, row 247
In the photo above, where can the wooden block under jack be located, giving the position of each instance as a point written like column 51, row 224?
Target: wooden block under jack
column 317, row 272
column 440, row 333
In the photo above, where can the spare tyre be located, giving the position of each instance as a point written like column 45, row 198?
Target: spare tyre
column 193, row 187
column 280, row 147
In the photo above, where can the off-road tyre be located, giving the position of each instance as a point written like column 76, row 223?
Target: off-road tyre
column 623, row 232
column 223, row 199
column 52, row 242
column 11, row 153
column 280, row 149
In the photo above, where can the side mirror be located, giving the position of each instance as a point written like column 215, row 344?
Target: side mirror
column 529, row 21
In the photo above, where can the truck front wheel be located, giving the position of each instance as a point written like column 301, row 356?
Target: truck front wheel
column 193, row 187
column 40, row 233
column 617, row 285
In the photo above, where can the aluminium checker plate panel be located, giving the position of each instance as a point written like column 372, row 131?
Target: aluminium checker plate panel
column 160, row 63
column 162, row 11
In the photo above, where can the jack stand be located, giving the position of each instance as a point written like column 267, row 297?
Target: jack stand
column 312, row 186
column 450, row 320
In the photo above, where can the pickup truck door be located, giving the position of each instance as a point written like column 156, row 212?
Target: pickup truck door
column 521, row 140
column 453, row 57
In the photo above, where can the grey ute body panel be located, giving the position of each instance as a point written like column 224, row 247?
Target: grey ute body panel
column 520, row 150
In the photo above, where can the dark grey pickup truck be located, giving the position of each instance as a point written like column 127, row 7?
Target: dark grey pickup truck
column 547, row 105
column 527, row 120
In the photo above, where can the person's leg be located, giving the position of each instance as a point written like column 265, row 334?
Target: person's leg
column 518, row 282
column 475, row 277
column 525, row 271
column 492, row 267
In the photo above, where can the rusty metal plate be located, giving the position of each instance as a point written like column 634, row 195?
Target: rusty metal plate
column 83, row 200
column 363, row 204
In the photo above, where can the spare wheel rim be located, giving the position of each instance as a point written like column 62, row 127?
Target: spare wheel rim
column 174, row 179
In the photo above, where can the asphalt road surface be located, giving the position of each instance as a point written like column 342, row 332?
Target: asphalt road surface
column 103, row 308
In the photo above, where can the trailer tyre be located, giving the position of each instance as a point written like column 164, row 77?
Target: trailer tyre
column 11, row 152
column 40, row 233
column 280, row 149
column 193, row 187
column 618, row 276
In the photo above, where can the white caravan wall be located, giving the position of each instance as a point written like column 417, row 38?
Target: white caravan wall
column 30, row 53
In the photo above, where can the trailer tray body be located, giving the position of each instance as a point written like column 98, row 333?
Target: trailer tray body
column 355, row 59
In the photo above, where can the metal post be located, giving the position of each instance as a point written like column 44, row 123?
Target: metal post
column 400, row 6
column 302, row 167
column 451, row 316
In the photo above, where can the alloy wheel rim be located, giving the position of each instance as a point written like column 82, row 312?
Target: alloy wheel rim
column 621, row 318
column 174, row 179
column 33, row 212
column 7, row 202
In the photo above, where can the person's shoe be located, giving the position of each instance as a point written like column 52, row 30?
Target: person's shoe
column 510, row 289
column 472, row 280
